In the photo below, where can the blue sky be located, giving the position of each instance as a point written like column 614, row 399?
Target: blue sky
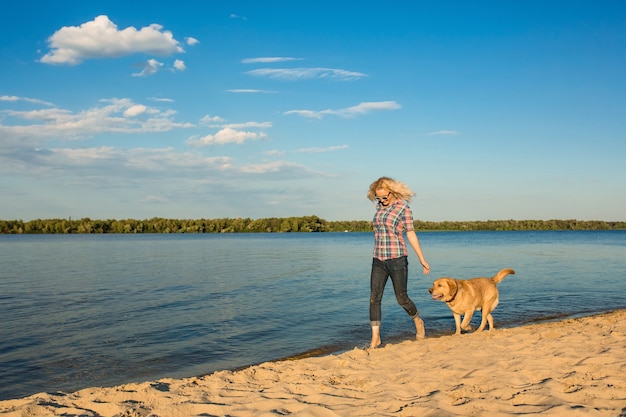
column 486, row 109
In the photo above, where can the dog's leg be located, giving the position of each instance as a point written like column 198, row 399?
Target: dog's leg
column 493, row 307
column 486, row 317
column 488, row 307
column 467, row 317
column 457, row 321
column 483, row 323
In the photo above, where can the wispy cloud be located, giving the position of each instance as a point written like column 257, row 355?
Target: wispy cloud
column 152, row 66
column 149, row 67
column 247, row 125
column 116, row 167
column 113, row 115
column 208, row 120
column 265, row 168
column 266, row 60
column 322, row 150
column 444, row 133
column 228, row 132
column 224, row 136
column 249, row 90
column 359, row 109
column 101, row 38
column 163, row 99
column 154, row 199
column 294, row 74
column 274, row 152
column 26, row 99
column 109, row 162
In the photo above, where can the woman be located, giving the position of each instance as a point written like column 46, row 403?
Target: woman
column 392, row 220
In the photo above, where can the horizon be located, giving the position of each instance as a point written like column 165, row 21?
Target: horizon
column 71, row 218
column 247, row 110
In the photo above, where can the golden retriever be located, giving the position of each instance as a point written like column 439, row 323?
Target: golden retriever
column 465, row 296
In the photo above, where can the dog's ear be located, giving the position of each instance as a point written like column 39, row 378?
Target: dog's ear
column 454, row 287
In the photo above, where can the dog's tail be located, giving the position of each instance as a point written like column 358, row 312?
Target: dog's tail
column 500, row 275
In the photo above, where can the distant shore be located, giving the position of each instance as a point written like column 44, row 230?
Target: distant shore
column 280, row 225
column 573, row 367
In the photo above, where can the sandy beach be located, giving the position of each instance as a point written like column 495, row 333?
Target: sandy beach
column 573, row 367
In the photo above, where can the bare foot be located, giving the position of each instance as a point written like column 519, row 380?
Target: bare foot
column 375, row 337
column 375, row 343
column 419, row 328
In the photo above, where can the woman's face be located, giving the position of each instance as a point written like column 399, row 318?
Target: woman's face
column 384, row 197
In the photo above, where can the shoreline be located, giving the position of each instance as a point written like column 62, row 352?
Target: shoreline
column 570, row 366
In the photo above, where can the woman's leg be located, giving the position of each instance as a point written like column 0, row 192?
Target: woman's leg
column 378, row 279
column 375, row 337
column 399, row 272
column 420, row 331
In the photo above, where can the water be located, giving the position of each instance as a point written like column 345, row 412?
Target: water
column 101, row 310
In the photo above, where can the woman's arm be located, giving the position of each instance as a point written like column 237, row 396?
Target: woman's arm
column 415, row 244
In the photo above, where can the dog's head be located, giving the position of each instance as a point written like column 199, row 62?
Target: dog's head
column 444, row 289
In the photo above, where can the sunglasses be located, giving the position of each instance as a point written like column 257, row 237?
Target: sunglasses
column 383, row 198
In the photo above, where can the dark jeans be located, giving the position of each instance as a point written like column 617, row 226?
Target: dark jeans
column 398, row 270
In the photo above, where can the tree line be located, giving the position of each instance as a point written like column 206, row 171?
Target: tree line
column 278, row 225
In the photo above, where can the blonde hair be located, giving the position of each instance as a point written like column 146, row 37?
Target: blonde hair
column 395, row 187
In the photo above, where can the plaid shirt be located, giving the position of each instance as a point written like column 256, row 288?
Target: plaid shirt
column 389, row 225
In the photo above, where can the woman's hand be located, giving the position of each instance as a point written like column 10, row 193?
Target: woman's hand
column 426, row 267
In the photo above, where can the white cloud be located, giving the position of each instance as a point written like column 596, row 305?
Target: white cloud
column 114, row 162
column 101, row 38
column 10, row 98
column 114, row 115
column 26, row 99
column 136, row 168
column 191, row 41
column 367, row 107
column 226, row 135
column 306, row 113
column 293, row 74
column 179, row 65
column 135, row 110
column 108, row 162
column 83, row 156
column 210, row 120
column 268, row 59
column 359, row 109
column 150, row 67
